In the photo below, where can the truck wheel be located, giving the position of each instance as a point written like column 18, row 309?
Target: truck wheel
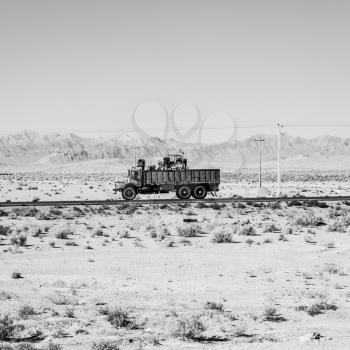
column 200, row 192
column 184, row 192
column 129, row 193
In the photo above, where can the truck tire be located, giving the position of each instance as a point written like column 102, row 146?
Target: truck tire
column 184, row 192
column 199, row 192
column 129, row 193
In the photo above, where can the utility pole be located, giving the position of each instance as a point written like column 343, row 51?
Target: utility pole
column 279, row 126
column 259, row 140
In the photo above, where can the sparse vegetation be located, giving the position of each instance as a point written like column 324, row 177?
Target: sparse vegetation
column 246, row 230
column 5, row 230
column 26, row 311
column 271, row 314
column 105, row 345
column 19, row 240
column 188, row 328
column 7, row 328
column 119, row 318
column 64, row 233
column 221, row 237
column 211, row 305
column 320, row 307
column 188, row 231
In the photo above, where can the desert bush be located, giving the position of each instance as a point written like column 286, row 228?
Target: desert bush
column 188, row 231
column 69, row 312
column 211, row 305
column 7, row 328
column 271, row 314
column 105, row 345
column 185, row 241
column 55, row 212
column 241, row 329
column 71, row 243
column 306, row 219
column 289, row 231
column 103, row 310
column 19, row 240
column 26, row 311
column 267, row 240
column 119, row 318
column 246, row 230
column 319, row 308
column 249, row 241
column 36, row 231
column 3, row 212
column 221, row 236
column 271, row 228
column 336, row 226
column 25, row 211
column 332, row 269
column 216, row 206
column 124, row 234
column 5, row 230
column 188, row 328
column 64, row 233
column 98, row 232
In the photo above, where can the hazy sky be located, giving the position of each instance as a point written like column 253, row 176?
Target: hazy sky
column 84, row 66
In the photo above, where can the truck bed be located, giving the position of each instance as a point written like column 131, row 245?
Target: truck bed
column 181, row 177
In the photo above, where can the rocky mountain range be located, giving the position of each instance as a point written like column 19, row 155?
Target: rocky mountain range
column 31, row 148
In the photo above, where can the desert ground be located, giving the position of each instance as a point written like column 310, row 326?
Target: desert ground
column 216, row 276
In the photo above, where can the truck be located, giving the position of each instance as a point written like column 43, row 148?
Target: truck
column 170, row 175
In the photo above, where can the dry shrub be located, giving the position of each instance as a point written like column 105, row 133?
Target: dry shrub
column 336, row 226
column 64, row 233
column 189, row 231
column 119, row 318
column 5, row 230
column 320, row 307
column 105, row 345
column 19, row 240
column 305, row 219
column 25, row 211
column 124, row 234
column 212, row 305
column 272, row 227
column 188, row 328
column 7, row 328
column 221, row 236
column 246, row 230
column 26, row 311
column 271, row 314
column 333, row 269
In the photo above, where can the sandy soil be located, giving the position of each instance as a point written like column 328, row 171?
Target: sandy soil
column 143, row 277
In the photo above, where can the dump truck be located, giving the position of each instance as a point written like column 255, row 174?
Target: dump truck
column 170, row 175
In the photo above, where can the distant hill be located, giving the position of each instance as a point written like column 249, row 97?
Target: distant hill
column 33, row 149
